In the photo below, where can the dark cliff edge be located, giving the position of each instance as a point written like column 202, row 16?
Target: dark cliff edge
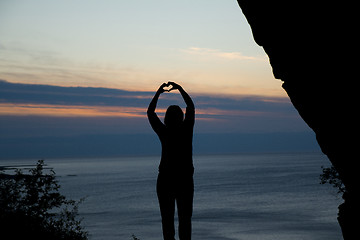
column 312, row 47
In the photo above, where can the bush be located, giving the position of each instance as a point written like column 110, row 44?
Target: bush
column 134, row 237
column 31, row 207
column 331, row 176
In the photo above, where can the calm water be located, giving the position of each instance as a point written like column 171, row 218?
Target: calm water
column 259, row 196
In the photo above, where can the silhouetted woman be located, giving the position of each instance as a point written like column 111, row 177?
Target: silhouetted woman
column 175, row 180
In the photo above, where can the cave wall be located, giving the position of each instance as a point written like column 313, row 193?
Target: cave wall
column 312, row 48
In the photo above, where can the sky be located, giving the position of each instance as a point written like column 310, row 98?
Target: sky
column 133, row 45
column 74, row 69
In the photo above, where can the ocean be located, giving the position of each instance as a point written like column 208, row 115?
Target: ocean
column 246, row 196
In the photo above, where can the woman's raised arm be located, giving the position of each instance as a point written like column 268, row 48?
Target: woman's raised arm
column 186, row 97
column 153, row 103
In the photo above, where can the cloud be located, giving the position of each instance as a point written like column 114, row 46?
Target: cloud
column 47, row 94
column 31, row 99
column 216, row 53
column 213, row 113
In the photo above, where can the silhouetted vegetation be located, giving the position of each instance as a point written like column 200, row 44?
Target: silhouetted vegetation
column 31, row 207
column 331, row 176
column 134, row 237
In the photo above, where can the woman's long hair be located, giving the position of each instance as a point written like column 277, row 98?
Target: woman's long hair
column 174, row 116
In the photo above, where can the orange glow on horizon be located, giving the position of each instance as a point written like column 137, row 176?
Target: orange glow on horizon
column 69, row 110
column 18, row 109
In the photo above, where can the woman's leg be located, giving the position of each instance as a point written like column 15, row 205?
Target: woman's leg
column 166, row 199
column 184, row 201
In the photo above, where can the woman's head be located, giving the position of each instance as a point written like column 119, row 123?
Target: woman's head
column 174, row 116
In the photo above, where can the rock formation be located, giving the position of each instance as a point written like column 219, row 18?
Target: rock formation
column 312, row 48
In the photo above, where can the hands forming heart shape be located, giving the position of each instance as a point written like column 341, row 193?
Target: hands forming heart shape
column 169, row 86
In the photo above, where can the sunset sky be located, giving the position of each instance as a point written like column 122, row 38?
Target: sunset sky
column 117, row 53
column 133, row 45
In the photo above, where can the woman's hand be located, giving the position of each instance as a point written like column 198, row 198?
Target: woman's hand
column 161, row 88
column 174, row 86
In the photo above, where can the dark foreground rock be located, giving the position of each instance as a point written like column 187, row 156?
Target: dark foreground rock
column 313, row 49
